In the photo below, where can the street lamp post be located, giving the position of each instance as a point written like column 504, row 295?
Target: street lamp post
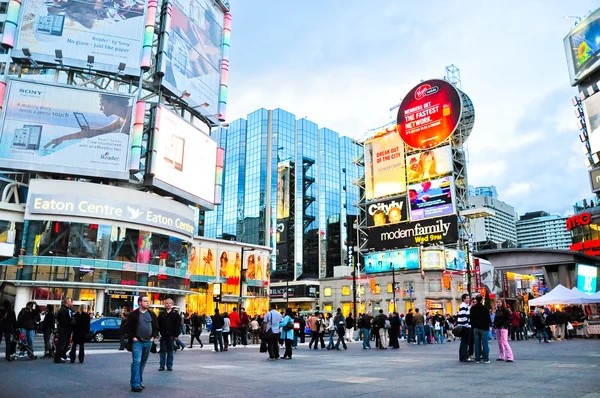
column 354, row 269
column 393, row 285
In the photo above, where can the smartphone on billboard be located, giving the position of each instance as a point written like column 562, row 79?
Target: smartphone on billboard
column 20, row 138
column 51, row 25
column 174, row 152
column 34, row 137
column 82, row 121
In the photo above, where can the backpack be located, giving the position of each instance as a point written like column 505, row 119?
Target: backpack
column 387, row 324
column 288, row 326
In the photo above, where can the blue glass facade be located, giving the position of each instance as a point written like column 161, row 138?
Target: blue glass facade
column 289, row 185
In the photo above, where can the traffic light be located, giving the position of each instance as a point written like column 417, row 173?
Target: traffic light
column 373, row 285
column 403, row 293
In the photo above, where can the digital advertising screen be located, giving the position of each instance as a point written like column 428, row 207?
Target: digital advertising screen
column 111, row 31
column 582, row 47
column 442, row 230
column 429, row 164
column 432, row 260
column 66, row 130
column 429, row 114
column 283, row 190
column 587, row 278
column 430, row 199
column 194, row 52
column 384, row 166
column 185, row 157
column 456, row 260
column 591, row 110
column 387, row 212
column 407, row 259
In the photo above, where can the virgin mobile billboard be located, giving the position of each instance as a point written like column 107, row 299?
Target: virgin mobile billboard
column 436, row 231
column 67, row 130
column 429, row 114
column 112, row 32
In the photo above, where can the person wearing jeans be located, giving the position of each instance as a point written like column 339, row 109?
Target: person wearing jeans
column 480, row 322
column 142, row 329
column 218, row 322
column 481, row 339
column 420, row 332
column 26, row 322
column 502, row 324
column 168, row 324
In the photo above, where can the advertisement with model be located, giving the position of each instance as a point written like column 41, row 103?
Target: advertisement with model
column 194, row 52
column 407, row 259
column 66, row 130
column 582, row 47
column 185, row 159
column 110, row 31
column 429, row 164
column 430, row 199
column 456, row 260
column 429, row 114
column 386, row 212
column 432, row 260
column 384, row 166
column 591, row 107
column 436, row 231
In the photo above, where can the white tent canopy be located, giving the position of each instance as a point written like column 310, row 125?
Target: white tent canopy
column 558, row 295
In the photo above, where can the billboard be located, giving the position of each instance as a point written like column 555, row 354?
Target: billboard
column 587, row 278
column 283, row 190
column 257, row 266
column 591, row 107
column 203, row 261
column 387, row 212
column 185, row 159
column 429, row 164
column 455, row 260
column 407, row 259
column 429, row 114
column 384, row 166
column 440, row 230
column 582, row 47
column 110, row 31
column 431, row 199
column 192, row 60
column 432, row 260
column 66, row 130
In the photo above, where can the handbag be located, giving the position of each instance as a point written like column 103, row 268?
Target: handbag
column 153, row 348
column 457, row 330
column 263, row 346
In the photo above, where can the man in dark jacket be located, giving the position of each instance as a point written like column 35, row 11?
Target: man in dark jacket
column 65, row 328
column 48, row 325
column 142, row 329
column 394, row 331
column 169, row 323
column 349, row 327
column 410, row 325
column 481, row 322
column 243, row 330
column 26, row 321
column 8, row 324
column 217, row 328
column 123, row 332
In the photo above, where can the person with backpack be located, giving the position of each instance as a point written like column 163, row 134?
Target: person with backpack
column 340, row 325
column 383, row 324
column 287, row 332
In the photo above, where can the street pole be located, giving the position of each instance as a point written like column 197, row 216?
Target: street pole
column 468, row 257
column 394, row 285
column 287, row 294
column 355, row 269
column 241, row 276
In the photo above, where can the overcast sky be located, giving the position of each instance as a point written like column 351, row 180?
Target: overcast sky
column 344, row 63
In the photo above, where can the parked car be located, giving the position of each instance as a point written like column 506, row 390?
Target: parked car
column 104, row 328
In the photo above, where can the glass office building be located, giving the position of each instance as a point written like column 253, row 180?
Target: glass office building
column 289, row 185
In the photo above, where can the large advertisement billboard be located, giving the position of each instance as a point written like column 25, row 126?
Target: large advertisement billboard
column 591, row 108
column 384, row 166
column 455, row 260
column 582, row 47
column 110, row 31
column 587, row 278
column 431, row 198
column 185, row 159
column 429, row 114
column 193, row 56
column 432, row 260
column 66, row 130
column 443, row 230
column 283, row 190
column 429, row 164
column 407, row 259
column 387, row 212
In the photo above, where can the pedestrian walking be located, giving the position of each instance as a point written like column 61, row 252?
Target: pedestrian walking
column 287, row 332
column 383, row 324
column 169, row 327
column 410, row 325
column 350, row 323
column 480, row 322
column 394, row 331
column 540, row 327
column 26, row 321
column 196, row 324
column 123, row 332
column 502, row 323
column 366, row 322
column 81, row 328
column 255, row 327
column 142, row 329
column 243, row 330
column 462, row 320
column 8, row 324
column 340, row 325
column 330, row 330
column 65, row 327
column 226, row 329
column 235, row 321
column 271, row 331
column 48, row 327
column 419, row 325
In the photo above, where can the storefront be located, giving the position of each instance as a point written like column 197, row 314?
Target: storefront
column 300, row 296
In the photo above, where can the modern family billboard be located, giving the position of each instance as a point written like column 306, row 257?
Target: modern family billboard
column 430, row 199
column 110, row 31
column 429, row 164
column 582, row 47
column 66, row 130
column 429, row 114
column 443, row 230
column 386, row 212
column 185, row 159
column 384, row 166
column 406, row 259
column 192, row 61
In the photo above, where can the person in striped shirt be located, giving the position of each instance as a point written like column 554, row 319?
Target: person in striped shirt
column 462, row 319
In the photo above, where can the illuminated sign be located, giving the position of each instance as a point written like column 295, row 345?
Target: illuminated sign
column 439, row 230
column 407, row 259
column 587, row 278
column 392, row 211
column 429, row 114
column 432, row 260
column 578, row 220
column 431, row 198
column 384, row 166
column 429, row 164
column 595, row 180
column 582, row 47
column 589, row 247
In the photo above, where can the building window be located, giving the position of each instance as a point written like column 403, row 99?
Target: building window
column 390, row 288
column 3, row 8
column 327, row 292
column 377, row 289
column 345, row 290
column 361, row 289
column 435, row 285
column 328, row 307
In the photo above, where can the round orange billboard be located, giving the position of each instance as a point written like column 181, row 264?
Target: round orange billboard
column 429, row 114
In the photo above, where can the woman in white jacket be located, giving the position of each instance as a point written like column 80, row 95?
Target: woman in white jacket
column 330, row 329
column 226, row 330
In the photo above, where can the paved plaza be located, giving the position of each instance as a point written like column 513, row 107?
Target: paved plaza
column 560, row 369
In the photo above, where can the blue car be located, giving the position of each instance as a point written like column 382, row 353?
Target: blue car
column 104, row 328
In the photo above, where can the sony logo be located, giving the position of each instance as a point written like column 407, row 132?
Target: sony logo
column 27, row 91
